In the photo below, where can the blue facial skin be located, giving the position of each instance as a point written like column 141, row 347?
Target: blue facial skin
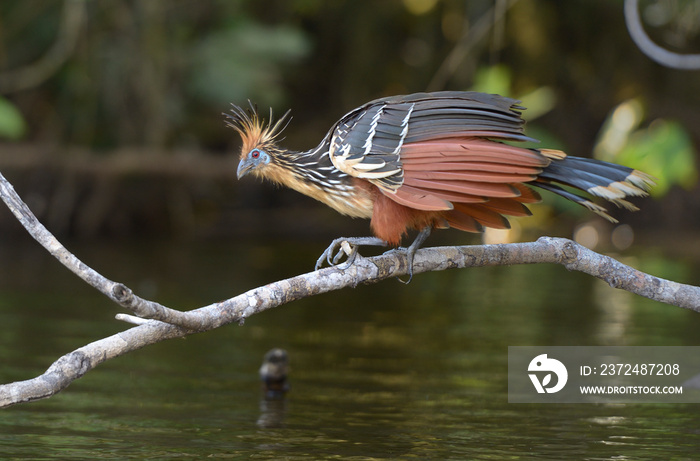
column 253, row 160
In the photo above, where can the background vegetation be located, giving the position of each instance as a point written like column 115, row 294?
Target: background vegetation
column 111, row 110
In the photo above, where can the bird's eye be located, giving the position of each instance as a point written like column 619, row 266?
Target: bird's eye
column 255, row 153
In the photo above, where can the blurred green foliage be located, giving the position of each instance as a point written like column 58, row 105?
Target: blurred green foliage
column 157, row 74
column 12, row 125
column 493, row 79
column 246, row 60
column 665, row 151
column 663, row 148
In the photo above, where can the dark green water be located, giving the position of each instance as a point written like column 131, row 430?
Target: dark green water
column 379, row 372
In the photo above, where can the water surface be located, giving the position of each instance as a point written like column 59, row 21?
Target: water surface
column 386, row 371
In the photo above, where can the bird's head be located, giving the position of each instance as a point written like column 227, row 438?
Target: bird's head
column 259, row 151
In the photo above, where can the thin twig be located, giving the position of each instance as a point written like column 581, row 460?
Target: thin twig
column 117, row 292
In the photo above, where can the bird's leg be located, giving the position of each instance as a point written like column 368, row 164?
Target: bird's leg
column 411, row 250
column 337, row 249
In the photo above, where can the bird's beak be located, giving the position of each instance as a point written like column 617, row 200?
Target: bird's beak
column 245, row 167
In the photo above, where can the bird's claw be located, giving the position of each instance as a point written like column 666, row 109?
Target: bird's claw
column 334, row 253
column 345, row 247
column 410, row 252
column 406, row 251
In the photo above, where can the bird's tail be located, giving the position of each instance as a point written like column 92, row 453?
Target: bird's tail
column 609, row 181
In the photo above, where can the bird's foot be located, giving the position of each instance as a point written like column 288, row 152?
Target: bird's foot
column 343, row 246
column 410, row 251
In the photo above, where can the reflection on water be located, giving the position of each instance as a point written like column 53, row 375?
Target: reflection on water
column 379, row 372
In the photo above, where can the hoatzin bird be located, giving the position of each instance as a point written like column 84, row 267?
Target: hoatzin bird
column 424, row 161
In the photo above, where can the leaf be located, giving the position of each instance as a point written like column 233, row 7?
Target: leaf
column 662, row 149
column 665, row 151
column 493, row 79
column 12, row 124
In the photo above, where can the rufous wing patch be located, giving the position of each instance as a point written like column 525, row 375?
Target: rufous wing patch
column 481, row 180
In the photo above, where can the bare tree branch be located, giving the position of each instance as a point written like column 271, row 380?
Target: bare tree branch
column 117, row 292
column 75, row 364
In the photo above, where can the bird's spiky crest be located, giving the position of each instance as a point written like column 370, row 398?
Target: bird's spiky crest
column 255, row 131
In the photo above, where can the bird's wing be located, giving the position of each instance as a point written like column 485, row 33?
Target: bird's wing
column 428, row 150
column 366, row 143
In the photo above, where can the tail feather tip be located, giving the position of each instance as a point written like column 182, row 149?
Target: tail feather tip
column 636, row 184
column 641, row 180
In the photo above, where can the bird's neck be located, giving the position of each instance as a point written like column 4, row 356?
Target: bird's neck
column 313, row 174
